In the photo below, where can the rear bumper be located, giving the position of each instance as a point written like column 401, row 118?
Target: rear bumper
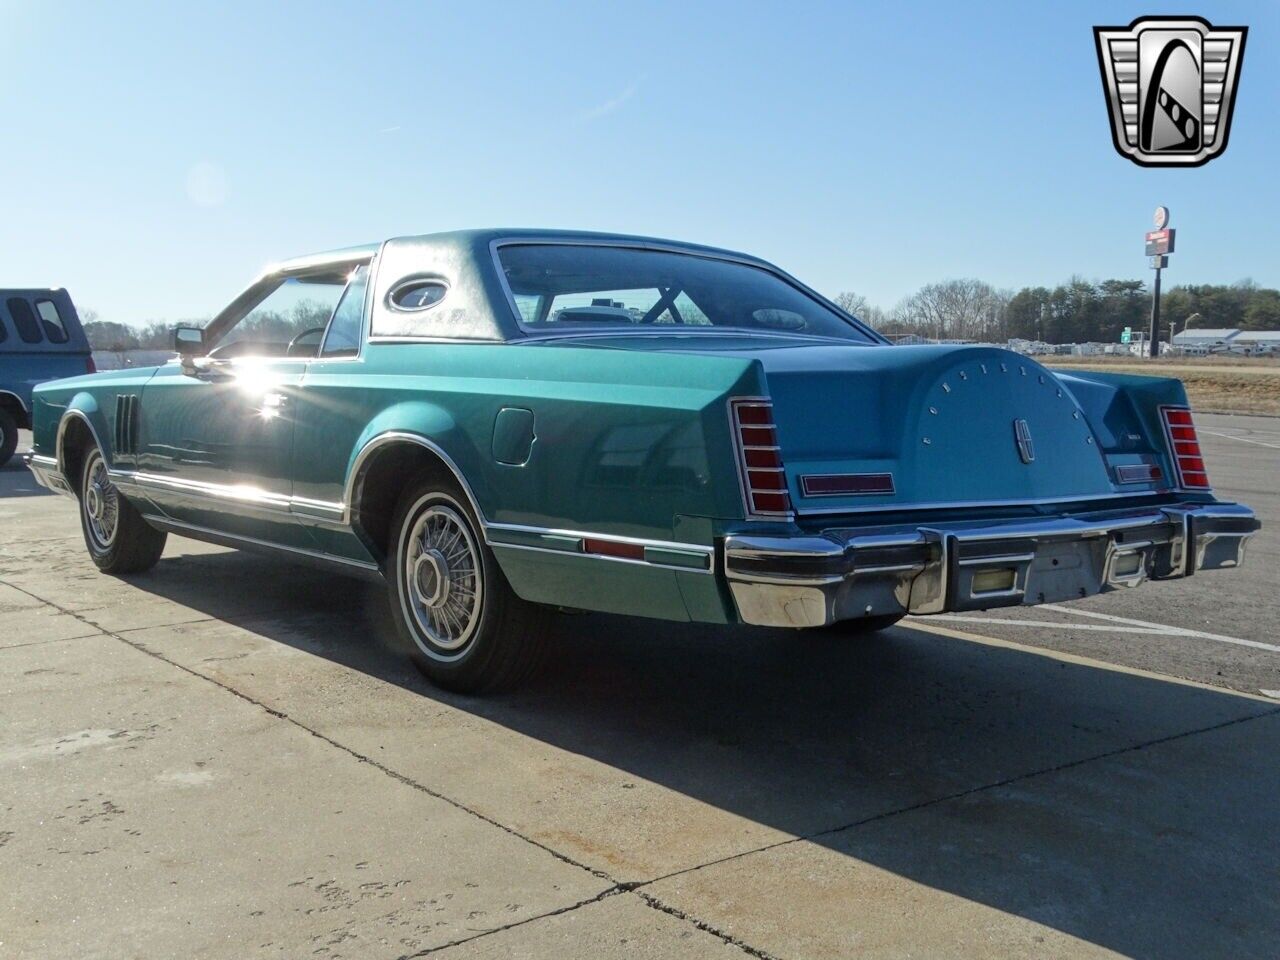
column 844, row 573
column 47, row 474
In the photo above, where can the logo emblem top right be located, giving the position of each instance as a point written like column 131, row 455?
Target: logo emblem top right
column 1170, row 84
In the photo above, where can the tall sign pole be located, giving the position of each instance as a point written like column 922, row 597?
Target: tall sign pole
column 1159, row 246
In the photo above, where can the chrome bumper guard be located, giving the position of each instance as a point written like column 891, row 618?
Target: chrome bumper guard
column 47, row 474
column 844, row 573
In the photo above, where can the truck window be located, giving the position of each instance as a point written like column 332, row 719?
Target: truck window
column 24, row 320
column 54, row 329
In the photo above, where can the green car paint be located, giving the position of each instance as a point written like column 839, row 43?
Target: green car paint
column 618, row 435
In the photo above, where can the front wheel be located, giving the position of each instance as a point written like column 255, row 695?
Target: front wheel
column 465, row 628
column 119, row 540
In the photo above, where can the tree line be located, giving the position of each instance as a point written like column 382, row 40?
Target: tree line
column 1077, row 311
column 271, row 326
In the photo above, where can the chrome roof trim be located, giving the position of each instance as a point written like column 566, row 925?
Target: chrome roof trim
column 275, row 274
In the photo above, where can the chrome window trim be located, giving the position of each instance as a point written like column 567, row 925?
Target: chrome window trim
column 657, row 246
column 270, row 279
column 411, row 279
column 365, row 321
column 10, row 393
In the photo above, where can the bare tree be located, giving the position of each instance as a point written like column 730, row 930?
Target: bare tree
column 955, row 309
column 860, row 307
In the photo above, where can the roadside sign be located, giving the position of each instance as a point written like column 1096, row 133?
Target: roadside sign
column 1160, row 242
column 1161, row 218
column 1159, row 263
column 1126, row 335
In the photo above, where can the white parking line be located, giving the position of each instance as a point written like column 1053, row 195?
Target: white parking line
column 1228, row 436
column 959, row 618
column 1119, row 625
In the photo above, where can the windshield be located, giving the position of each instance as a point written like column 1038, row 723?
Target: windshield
column 575, row 287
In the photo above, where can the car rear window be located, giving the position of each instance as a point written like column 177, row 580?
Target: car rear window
column 54, row 329
column 24, row 320
column 578, row 287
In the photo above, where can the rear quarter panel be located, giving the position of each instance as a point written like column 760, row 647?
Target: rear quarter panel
column 625, row 443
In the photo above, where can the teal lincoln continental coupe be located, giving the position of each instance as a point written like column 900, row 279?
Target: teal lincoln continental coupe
column 496, row 423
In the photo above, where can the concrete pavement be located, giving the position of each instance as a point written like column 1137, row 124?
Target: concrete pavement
column 223, row 758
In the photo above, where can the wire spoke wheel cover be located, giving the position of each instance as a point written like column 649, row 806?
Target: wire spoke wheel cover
column 101, row 503
column 442, row 579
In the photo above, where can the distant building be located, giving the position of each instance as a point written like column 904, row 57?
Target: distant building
column 1198, row 342
column 1256, row 342
column 1209, row 337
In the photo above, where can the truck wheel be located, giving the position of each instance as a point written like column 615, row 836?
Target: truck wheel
column 119, row 540
column 8, row 436
column 862, row 626
column 464, row 626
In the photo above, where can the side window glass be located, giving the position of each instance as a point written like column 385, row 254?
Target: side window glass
column 4, row 331
column 54, row 329
column 24, row 320
column 343, row 336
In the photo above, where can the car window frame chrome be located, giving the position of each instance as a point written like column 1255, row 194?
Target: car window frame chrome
column 412, row 278
column 270, row 280
column 655, row 246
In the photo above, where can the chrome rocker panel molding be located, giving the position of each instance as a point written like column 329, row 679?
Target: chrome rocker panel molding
column 842, row 574
column 678, row 556
column 367, row 571
column 47, row 474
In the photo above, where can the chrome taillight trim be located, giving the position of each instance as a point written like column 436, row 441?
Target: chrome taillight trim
column 736, row 426
column 1176, row 458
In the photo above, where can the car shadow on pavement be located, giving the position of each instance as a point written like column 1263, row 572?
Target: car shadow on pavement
column 1126, row 810
column 16, row 481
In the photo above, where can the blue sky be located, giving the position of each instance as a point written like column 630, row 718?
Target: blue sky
column 159, row 154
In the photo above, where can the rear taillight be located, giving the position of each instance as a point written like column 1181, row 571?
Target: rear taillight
column 764, row 483
column 89, row 365
column 1184, row 448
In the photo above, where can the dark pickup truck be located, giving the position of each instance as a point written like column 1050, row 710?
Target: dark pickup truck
column 40, row 339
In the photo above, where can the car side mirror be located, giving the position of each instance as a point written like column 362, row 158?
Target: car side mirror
column 188, row 341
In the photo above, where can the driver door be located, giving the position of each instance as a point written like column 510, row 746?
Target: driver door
column 217, row 431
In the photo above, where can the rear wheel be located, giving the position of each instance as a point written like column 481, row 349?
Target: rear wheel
column 119, row 540
column 862, row 626
column 465, row 628
column 8, row 436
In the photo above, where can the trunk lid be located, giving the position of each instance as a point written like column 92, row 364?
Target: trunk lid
column 952, row 425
